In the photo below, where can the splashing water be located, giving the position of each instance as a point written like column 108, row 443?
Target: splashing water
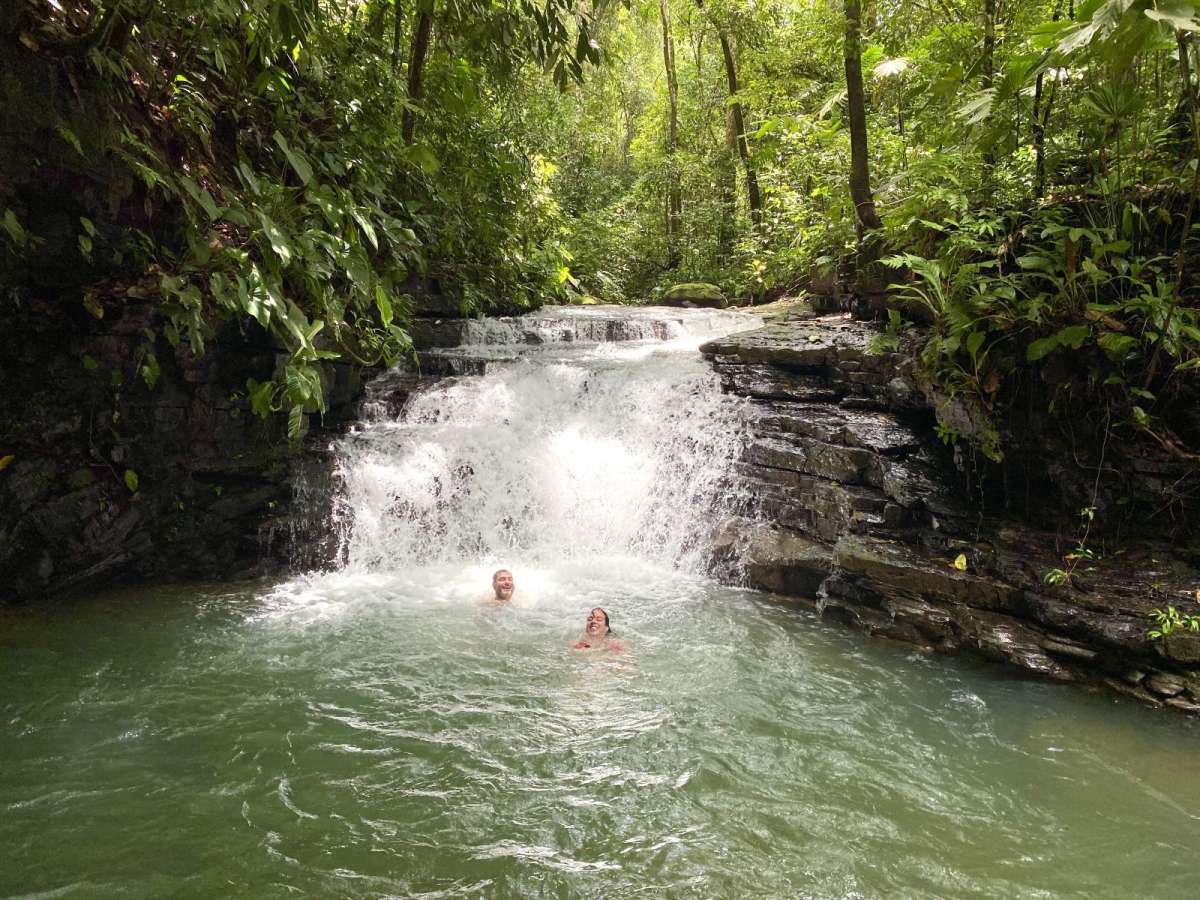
column 380, row 732
column 557, row 452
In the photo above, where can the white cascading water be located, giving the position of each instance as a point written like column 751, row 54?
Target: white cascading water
column 561, row 450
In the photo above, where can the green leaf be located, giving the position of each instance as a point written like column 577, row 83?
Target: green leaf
column 295, row 158
column 131, row 480
column 423, row 157
column 70, row 137
column 150, row 370
column 974, row 342
column 960, row 562
column 248, row 178
column 295, row 418
column 5, row 461
column 1073, row 336
column 978, row 108
column 1116, row 346
column 202, row 197
column 1036, row 262
column 365, row 224
column 92, row 304
column 384, row 304
column 1041, row 348
column 13, row 227
column 261, row 397
column 276, row 237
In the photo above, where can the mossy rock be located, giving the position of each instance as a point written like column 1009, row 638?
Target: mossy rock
column 696, row 294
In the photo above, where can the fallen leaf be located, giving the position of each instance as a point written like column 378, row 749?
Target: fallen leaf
column 5, row 460
column 960, row 562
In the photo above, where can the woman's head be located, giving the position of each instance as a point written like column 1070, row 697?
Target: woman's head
column 597, row 623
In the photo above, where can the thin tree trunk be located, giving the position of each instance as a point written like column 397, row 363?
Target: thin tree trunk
column 397, row 27
column 416, row 68
column 739, row 124
column 860, row 173
column 989, row 65
column 725, row 230
column 674, row 198
column 1040, row 121
column 989, row 43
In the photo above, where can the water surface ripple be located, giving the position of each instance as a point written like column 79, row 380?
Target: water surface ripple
column 382, row 732
column 386, row 741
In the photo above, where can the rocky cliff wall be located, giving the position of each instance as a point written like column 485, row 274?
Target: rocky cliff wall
column 862, row 513
column 211, row 491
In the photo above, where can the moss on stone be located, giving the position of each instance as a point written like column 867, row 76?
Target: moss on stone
column 695, row 293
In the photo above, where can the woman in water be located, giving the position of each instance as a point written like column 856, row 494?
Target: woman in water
column 597, row 635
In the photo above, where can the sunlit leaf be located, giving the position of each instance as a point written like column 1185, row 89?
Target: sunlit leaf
column 889, row 67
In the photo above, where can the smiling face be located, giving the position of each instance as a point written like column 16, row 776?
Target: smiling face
column 597, row 622
column 502, row 584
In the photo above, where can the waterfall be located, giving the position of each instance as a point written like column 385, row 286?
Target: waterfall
column 589, row 432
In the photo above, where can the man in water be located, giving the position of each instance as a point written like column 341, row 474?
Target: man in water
column 597, row 635
column 503, row 586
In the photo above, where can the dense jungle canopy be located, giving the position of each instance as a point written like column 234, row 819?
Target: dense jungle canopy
column 1023, row 173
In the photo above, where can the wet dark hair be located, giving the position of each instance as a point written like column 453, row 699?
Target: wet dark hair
column 498, row 572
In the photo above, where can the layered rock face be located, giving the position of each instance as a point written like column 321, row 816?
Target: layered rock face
column 117, row 475
column 861, row 513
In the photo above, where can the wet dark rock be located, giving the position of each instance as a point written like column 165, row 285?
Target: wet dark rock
column 427, row 333
column 862, row 512
column 1182, row 647
column 208, row 471
column 1166, row 685
column 1188, row 706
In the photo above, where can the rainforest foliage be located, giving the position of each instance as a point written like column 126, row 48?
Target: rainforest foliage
column 1021, row 173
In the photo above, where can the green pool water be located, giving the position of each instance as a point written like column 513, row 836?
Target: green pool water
column 388, row 735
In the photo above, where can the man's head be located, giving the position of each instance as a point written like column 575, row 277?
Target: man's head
column 502, row 584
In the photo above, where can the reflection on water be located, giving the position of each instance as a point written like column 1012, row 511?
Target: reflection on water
column 389, row 735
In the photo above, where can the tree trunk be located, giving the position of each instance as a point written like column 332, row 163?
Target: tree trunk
column 989, row 65
column 1040, row 120
column 860, row 173
column 725, row 230
column 397, row 27
column 739, row 124
column 989, row 43
column 674, row 199
column 416, row 68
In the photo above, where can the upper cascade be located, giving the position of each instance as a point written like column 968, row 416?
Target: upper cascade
column 563, row 449
column 602, row 324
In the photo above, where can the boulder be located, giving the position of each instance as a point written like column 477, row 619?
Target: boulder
column 695, row 294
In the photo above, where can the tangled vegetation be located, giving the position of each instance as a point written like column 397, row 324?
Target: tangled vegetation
column 281, row 161
column 1025, row 172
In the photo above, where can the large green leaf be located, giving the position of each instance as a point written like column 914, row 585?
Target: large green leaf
column 295, row 158
column 275, row 236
